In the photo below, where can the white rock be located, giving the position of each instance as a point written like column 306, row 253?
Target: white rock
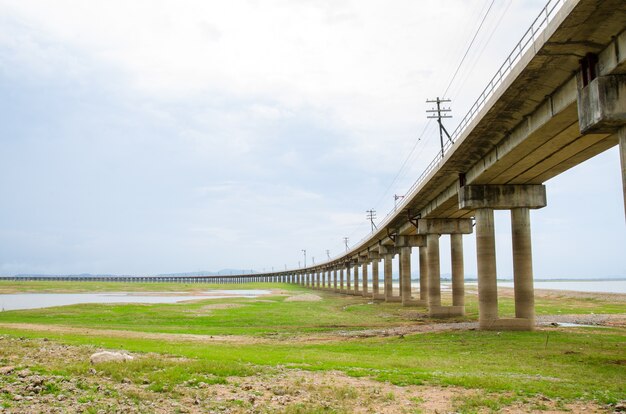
column 108, row 356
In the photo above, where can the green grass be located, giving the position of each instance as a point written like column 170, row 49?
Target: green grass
column 588, row 364
column 276, row 318
column 569, row 364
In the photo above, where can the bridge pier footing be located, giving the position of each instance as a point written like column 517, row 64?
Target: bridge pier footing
column 433, row 229
column 519, row 199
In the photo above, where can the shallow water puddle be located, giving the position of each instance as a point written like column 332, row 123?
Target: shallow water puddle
column 19, row 301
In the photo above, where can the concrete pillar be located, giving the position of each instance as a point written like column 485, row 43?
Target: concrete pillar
column 434, row 271
column 458, row 272
column 405, row 275
column 423, row 257
column 341, row 287
column 622, row 154
column 348, row 275
column 486, row 265
column 335, row 279
column 400, row 277
column 388, row 272
column 356, row 279
column 375, row 281
column 365, row 280
column 523, row 265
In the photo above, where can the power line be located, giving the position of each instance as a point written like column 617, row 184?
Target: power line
column 419, row 139
column 482, row 50
column 469, row 47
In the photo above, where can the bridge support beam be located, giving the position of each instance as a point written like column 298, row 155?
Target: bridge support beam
column 341, row 287
column 602, row 109
column 622, row 154
column 355, row 273
column 365, row 279
column 387, row 253
column 423, row 257
column 405, row 245
column 483, row 199
column 375, row 258
column 433, row 229
column 458, row 270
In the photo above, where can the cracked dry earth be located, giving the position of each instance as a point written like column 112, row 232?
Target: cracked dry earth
column 30, row 383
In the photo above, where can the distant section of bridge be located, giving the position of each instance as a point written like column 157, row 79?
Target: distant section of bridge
column 558, row 100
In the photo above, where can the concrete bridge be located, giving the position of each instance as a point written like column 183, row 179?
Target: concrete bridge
column 558, row 100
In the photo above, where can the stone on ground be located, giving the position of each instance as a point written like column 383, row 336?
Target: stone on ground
column 108, row 356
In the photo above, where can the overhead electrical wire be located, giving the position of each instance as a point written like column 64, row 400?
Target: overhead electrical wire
column 428, row 123
column 482, row 50
column 469, row 47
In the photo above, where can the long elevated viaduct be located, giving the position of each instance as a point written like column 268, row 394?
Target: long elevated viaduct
column 558, row 100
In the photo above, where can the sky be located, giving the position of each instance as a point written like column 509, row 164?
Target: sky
column 151, row 137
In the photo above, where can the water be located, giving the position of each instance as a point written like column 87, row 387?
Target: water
column 599, row 286
column 47, row 300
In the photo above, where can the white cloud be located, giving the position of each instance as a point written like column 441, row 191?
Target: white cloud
column 192, row 131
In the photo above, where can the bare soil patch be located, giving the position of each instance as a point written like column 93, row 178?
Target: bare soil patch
column 222, row 306
column 240, row 339
column 305, row 297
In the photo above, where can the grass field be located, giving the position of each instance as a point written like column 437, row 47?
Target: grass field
column 281, row 340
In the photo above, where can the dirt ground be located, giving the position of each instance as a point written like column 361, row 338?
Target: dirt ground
column 23, row 390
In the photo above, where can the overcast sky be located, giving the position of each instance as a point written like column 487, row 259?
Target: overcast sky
column 143, row 137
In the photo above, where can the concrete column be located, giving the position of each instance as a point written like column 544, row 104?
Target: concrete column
column 341, row 288
column 375, row 281
column 335, row 279
column 434, row 271
column 423, row 273
column 458, row 276
column 365, row 280
column 400, row 277
column 405, row 275
column 388, row 271
column 622, row 154
column 486, row 265
column 522, row 264
column 356, row 279
column 348, row 275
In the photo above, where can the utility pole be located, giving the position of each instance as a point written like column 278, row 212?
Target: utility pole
column 396, row 197
column 371, row 215
column 313, row 258
column 439, row 114
column 345, row 240
column 304, row 251
column 328, row 254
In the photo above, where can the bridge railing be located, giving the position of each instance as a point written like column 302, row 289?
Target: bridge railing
column 526, row 42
